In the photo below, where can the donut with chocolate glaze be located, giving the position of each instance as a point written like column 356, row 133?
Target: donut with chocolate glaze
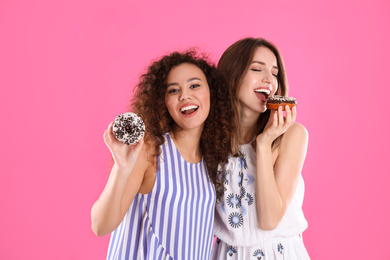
column 276, row 101
column 128, row 128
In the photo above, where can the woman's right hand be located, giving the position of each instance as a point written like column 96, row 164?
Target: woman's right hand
column 277, row 125
column 123, row 155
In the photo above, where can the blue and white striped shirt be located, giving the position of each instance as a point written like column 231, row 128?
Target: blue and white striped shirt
column 175, row 220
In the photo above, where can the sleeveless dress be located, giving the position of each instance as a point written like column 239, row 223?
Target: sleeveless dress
column 175, row 220
column 236, row 222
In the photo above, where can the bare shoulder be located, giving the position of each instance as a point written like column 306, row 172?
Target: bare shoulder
column 297, row 130
column 295, row 136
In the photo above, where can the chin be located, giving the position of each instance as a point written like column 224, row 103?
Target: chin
column 262, row 109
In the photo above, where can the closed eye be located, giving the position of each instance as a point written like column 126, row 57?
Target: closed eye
column 256, row 70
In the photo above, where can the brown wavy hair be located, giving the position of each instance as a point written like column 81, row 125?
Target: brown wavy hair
column 233, row 64
column 149, row 103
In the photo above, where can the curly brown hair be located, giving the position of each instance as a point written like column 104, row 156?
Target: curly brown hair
column 149, row 103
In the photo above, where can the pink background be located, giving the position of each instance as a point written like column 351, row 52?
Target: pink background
column 67, row 69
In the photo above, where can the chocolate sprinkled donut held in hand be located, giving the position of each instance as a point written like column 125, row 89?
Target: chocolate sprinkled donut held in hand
column 128, row 128
column 275, row 101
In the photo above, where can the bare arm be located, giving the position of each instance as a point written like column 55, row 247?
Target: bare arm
column 125, row 180
column 277, row 182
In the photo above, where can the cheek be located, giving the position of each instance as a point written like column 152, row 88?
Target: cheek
column 242, row 93
column 205, row 96
column 244, row 84
column 169, row 104
column 206, row 100
column 247, row 85
column 276, row 86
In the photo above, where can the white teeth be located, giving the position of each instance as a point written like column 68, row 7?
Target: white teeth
column 188, row 108
column 262, row 90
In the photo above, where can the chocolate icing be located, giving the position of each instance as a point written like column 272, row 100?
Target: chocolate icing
column 275, row 99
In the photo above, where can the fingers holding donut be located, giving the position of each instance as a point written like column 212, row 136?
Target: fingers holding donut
column 294, row 114
column 124, row 139
column 280, row 104
column 273, row 119
column 278, row 123
column 108, row 135
column 288, row 118
column 291, row 115
column 280, row 116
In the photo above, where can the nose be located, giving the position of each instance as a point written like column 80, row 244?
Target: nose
column 268, row 77
column 184, row 95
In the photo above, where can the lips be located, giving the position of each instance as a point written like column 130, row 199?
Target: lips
column 262, row 93
column 188, row 109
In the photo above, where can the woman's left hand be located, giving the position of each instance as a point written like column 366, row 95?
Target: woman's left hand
column 277, row 125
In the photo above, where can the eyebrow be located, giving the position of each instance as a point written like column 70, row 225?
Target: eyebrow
column 262, row 63
column 188, row 80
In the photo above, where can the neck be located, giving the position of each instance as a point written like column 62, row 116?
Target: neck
column 187, row 143
column 248, row 120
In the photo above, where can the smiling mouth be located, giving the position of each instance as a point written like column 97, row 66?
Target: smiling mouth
column 263, row 91
column 188, row 110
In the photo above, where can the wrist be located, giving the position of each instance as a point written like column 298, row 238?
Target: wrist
column 122, row 169
column 263, row 143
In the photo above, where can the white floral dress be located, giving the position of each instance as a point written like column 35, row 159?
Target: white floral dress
column 236, row 224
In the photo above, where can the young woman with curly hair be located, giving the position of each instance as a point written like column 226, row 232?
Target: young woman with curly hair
column 160, row 197
column 260, row 214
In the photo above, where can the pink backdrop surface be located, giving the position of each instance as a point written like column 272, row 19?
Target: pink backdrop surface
column 67, row 69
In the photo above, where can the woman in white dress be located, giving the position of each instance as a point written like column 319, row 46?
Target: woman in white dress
column 260, row 214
